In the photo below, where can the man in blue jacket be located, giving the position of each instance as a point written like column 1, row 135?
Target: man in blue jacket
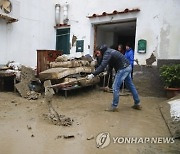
column 116, row 60
column 129, row 54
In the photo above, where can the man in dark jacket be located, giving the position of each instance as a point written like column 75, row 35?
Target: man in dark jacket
column 116, row 60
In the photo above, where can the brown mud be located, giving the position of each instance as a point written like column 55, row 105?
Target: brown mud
column 23, row 128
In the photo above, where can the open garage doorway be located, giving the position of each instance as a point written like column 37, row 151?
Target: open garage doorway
column 116, row 33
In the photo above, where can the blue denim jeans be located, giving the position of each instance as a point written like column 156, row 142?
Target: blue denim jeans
column 124, row 75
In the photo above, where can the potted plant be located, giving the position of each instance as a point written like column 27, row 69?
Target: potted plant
column 170, row 75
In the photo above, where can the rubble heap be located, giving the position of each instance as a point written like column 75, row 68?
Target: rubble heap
column 66, row 72
column 24, row 86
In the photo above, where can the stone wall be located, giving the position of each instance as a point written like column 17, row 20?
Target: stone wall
column 161, row 62
column 147, row 81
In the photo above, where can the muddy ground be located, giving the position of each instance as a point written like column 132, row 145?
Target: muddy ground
column 23, row 128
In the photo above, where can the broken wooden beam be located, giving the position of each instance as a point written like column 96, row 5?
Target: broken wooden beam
column 59, row 73
column 70, row 64
column 81, row 81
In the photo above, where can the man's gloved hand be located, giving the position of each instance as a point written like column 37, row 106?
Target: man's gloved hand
column 90, row 76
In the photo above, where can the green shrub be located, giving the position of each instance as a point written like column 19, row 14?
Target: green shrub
column 170, row 75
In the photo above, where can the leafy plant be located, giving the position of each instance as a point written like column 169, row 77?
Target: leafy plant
column 170, row 75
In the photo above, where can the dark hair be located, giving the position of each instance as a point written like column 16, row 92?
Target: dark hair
column 113, row 47
column 103, row 48
column 97, row 48
column 120, row 45
column 128, row 44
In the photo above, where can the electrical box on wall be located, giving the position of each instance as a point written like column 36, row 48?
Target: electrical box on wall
column 142, row 46
column 79, row 45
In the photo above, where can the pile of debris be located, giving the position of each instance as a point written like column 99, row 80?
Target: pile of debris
column 11, row 67
column 66, row 72
column 29, row 86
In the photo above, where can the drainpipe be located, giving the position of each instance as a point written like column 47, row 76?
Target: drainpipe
column 57, row 13
column 65, row 13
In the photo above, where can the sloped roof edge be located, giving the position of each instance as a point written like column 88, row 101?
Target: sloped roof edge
column 114, row 13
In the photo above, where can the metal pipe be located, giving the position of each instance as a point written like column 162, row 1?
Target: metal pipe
column 65, row 13
column 57, row 13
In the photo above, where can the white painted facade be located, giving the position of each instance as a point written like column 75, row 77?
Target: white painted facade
column 34, row 30
column 157, row 22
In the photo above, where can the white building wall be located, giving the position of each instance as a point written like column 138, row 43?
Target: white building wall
column 34, row 30
column 169, row 31
column 157, row 22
